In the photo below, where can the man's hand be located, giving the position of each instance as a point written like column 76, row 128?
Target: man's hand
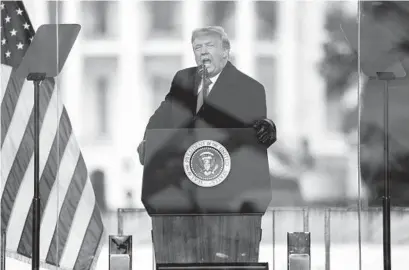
column 141, row 152
column 265, row 131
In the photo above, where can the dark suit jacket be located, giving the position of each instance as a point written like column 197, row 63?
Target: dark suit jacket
column 235, row 101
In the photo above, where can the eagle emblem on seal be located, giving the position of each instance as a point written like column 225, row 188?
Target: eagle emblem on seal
column 207, row 163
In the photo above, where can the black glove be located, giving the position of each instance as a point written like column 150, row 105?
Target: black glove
column 141, row 152
column 265, row 131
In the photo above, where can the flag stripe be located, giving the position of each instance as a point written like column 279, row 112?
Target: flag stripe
column 9, row 101
column 4, row 76
column 23, row 201
column 24, row 154
column 17, row 129
column 79, row 226
column 92, row 238
column 68, row 209
column 57, row 195
column 49, row 173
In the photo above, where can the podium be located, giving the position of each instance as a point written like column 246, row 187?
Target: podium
column 206, row 191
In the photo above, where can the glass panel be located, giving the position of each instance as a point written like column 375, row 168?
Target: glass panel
column 164, row 19
column 315, row 161
column 99, row 19
column 384, row 118
column 266, row 19
column 221, row 13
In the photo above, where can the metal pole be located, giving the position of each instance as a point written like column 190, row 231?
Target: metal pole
column 306, row 218
column 327, row 236
column 3, row 250
column 120, row 221
column 274, row 238
column 35, row 262
column 386, row 197
column 36, row 199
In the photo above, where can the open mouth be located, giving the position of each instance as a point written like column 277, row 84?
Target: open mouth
column 207, row 62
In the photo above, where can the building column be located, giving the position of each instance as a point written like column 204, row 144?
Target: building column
column 287, row 76
column 245, row 36
column 133, row 111
column 72, row 73
column 192, row 14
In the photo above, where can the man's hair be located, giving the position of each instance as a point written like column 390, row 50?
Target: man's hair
column 212, row 30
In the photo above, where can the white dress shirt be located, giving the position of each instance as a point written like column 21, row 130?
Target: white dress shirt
column 200, row 97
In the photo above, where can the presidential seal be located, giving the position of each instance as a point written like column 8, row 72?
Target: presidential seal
column 207, row 163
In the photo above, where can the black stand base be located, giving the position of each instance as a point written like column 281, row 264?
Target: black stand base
column 387, row 229
column 36, row 234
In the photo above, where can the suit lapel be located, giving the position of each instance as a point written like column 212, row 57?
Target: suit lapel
column 219, row 91
column 195, row 90
column 221, row 86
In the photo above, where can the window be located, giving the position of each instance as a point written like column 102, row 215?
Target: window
column 265, row 74
column 221, row 13
column 102, row 105
column 159, row 72
column 99, row 19
column 55, row 11
column 98, row 83
column 164, row 19
column 266, row 20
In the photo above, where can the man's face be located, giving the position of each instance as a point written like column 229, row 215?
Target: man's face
column 209, row 49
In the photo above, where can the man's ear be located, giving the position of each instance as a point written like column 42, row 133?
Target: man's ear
column 225, row 54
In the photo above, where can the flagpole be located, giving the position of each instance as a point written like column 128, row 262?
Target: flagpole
column 37, row 78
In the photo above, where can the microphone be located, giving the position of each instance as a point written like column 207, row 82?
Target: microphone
column 202, row 70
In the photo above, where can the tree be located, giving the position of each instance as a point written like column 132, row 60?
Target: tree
column 340, row 64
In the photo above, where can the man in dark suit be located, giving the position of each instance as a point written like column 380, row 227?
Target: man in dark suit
column 232, row 99
column 215, row 94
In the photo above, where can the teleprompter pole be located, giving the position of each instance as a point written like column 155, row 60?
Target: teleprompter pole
column 37, row 78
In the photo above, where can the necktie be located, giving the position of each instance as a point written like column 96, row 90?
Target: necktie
column 201, row 97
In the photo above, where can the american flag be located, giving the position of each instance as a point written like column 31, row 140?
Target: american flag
column 72, row 230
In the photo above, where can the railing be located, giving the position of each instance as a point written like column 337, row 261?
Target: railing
column 340, row 226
